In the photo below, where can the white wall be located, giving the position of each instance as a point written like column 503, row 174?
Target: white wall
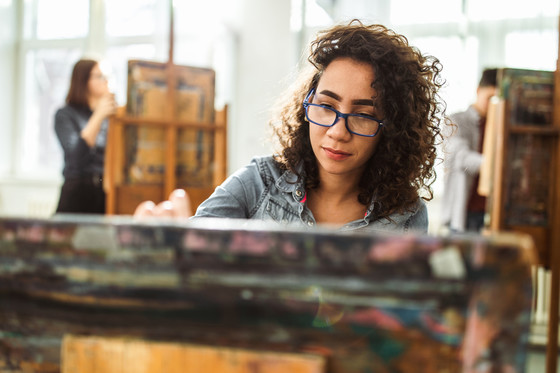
column 31, row 198
column 265, row 59
column 7, row 68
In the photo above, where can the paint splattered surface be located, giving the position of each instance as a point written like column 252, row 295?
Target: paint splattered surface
column 368, row 303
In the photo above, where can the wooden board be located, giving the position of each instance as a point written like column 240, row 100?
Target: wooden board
column 119, row 355
column 364, row 302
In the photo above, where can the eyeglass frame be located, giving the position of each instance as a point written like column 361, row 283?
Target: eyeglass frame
column 344, row 116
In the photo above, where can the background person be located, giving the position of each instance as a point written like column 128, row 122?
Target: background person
column 357, row 137
column 81, row 128
column 463, row 207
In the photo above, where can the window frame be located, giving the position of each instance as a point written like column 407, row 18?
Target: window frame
column 94, row 44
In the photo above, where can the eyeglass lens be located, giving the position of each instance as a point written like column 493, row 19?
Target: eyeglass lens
column 326, row 116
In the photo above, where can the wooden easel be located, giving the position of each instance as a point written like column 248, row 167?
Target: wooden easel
column 123, row 197
column 552, row 344
column 118, row 295
column 546, row 237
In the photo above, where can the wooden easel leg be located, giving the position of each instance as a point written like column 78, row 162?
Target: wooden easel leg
column 552, row 340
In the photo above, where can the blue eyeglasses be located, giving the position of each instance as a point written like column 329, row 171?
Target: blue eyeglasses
column 325, row 116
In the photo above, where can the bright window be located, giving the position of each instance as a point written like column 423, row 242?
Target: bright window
column 529, row 50
column 61, row 19
column 130, row 17
column 458, row 58
column 53, row 41
column 479, row 10
column 47, row 79
column 315, row 15
column 425, row 12
column 117, row 57
column 56, row 33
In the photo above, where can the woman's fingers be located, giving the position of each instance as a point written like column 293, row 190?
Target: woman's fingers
column 149, row 209
column 164, row 209
column 181, row 203
column 178, row 206
column 144, row 209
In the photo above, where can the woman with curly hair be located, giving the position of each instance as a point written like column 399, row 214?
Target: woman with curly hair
column 358, row 136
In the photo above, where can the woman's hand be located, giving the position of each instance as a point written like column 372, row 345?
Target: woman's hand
column 177, row 206
column 105, row 106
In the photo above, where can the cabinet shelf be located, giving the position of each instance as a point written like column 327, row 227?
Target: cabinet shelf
column 157, row 122
column 534, row 130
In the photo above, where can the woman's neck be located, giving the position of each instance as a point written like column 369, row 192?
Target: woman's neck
column 335, row 201
column 338, row 187
column 334, row 196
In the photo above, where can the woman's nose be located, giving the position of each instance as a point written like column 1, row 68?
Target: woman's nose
column 338, row 130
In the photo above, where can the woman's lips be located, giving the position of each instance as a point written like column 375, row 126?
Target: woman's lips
column 336, row 155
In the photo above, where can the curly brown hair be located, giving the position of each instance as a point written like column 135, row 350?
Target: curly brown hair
column 407, row 85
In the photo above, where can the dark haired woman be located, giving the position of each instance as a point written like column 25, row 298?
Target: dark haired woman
column 358, row 138
column 81, row 128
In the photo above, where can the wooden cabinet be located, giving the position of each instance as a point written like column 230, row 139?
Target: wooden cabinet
column 525, row 139
column 523, row 161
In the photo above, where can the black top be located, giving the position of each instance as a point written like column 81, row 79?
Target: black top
column 79, row 159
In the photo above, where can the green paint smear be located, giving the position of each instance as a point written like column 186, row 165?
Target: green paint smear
column 383, row 346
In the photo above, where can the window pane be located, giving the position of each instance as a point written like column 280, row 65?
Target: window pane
column 29, row 24
column 316, row 16
column 424, row 12
column 131, row 17
column 202, row 18
column 506, row 9
column 459, row 59
column 525, row 50
column 194, row 52
column 47, row 79
column 62, row 19
column 117, row 58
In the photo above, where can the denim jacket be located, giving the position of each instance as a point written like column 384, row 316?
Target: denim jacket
column 262, row 191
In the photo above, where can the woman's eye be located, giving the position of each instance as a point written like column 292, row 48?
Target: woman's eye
column 368, row 115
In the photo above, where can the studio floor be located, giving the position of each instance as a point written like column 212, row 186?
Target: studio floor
column 536, row 360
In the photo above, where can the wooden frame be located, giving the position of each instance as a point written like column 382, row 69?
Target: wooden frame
column 552, row 346
column 499, row 146
column 123, row 197
column 116, row 292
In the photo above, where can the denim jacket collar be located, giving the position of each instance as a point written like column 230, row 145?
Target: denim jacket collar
column 288, row 182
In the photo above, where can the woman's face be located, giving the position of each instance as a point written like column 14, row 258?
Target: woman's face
column 345, row 85
column 97, row 84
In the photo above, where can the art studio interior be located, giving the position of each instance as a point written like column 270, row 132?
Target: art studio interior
column 279, row 185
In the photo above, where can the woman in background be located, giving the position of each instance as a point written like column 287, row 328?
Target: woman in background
column 358, row 138
column 81, row 128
